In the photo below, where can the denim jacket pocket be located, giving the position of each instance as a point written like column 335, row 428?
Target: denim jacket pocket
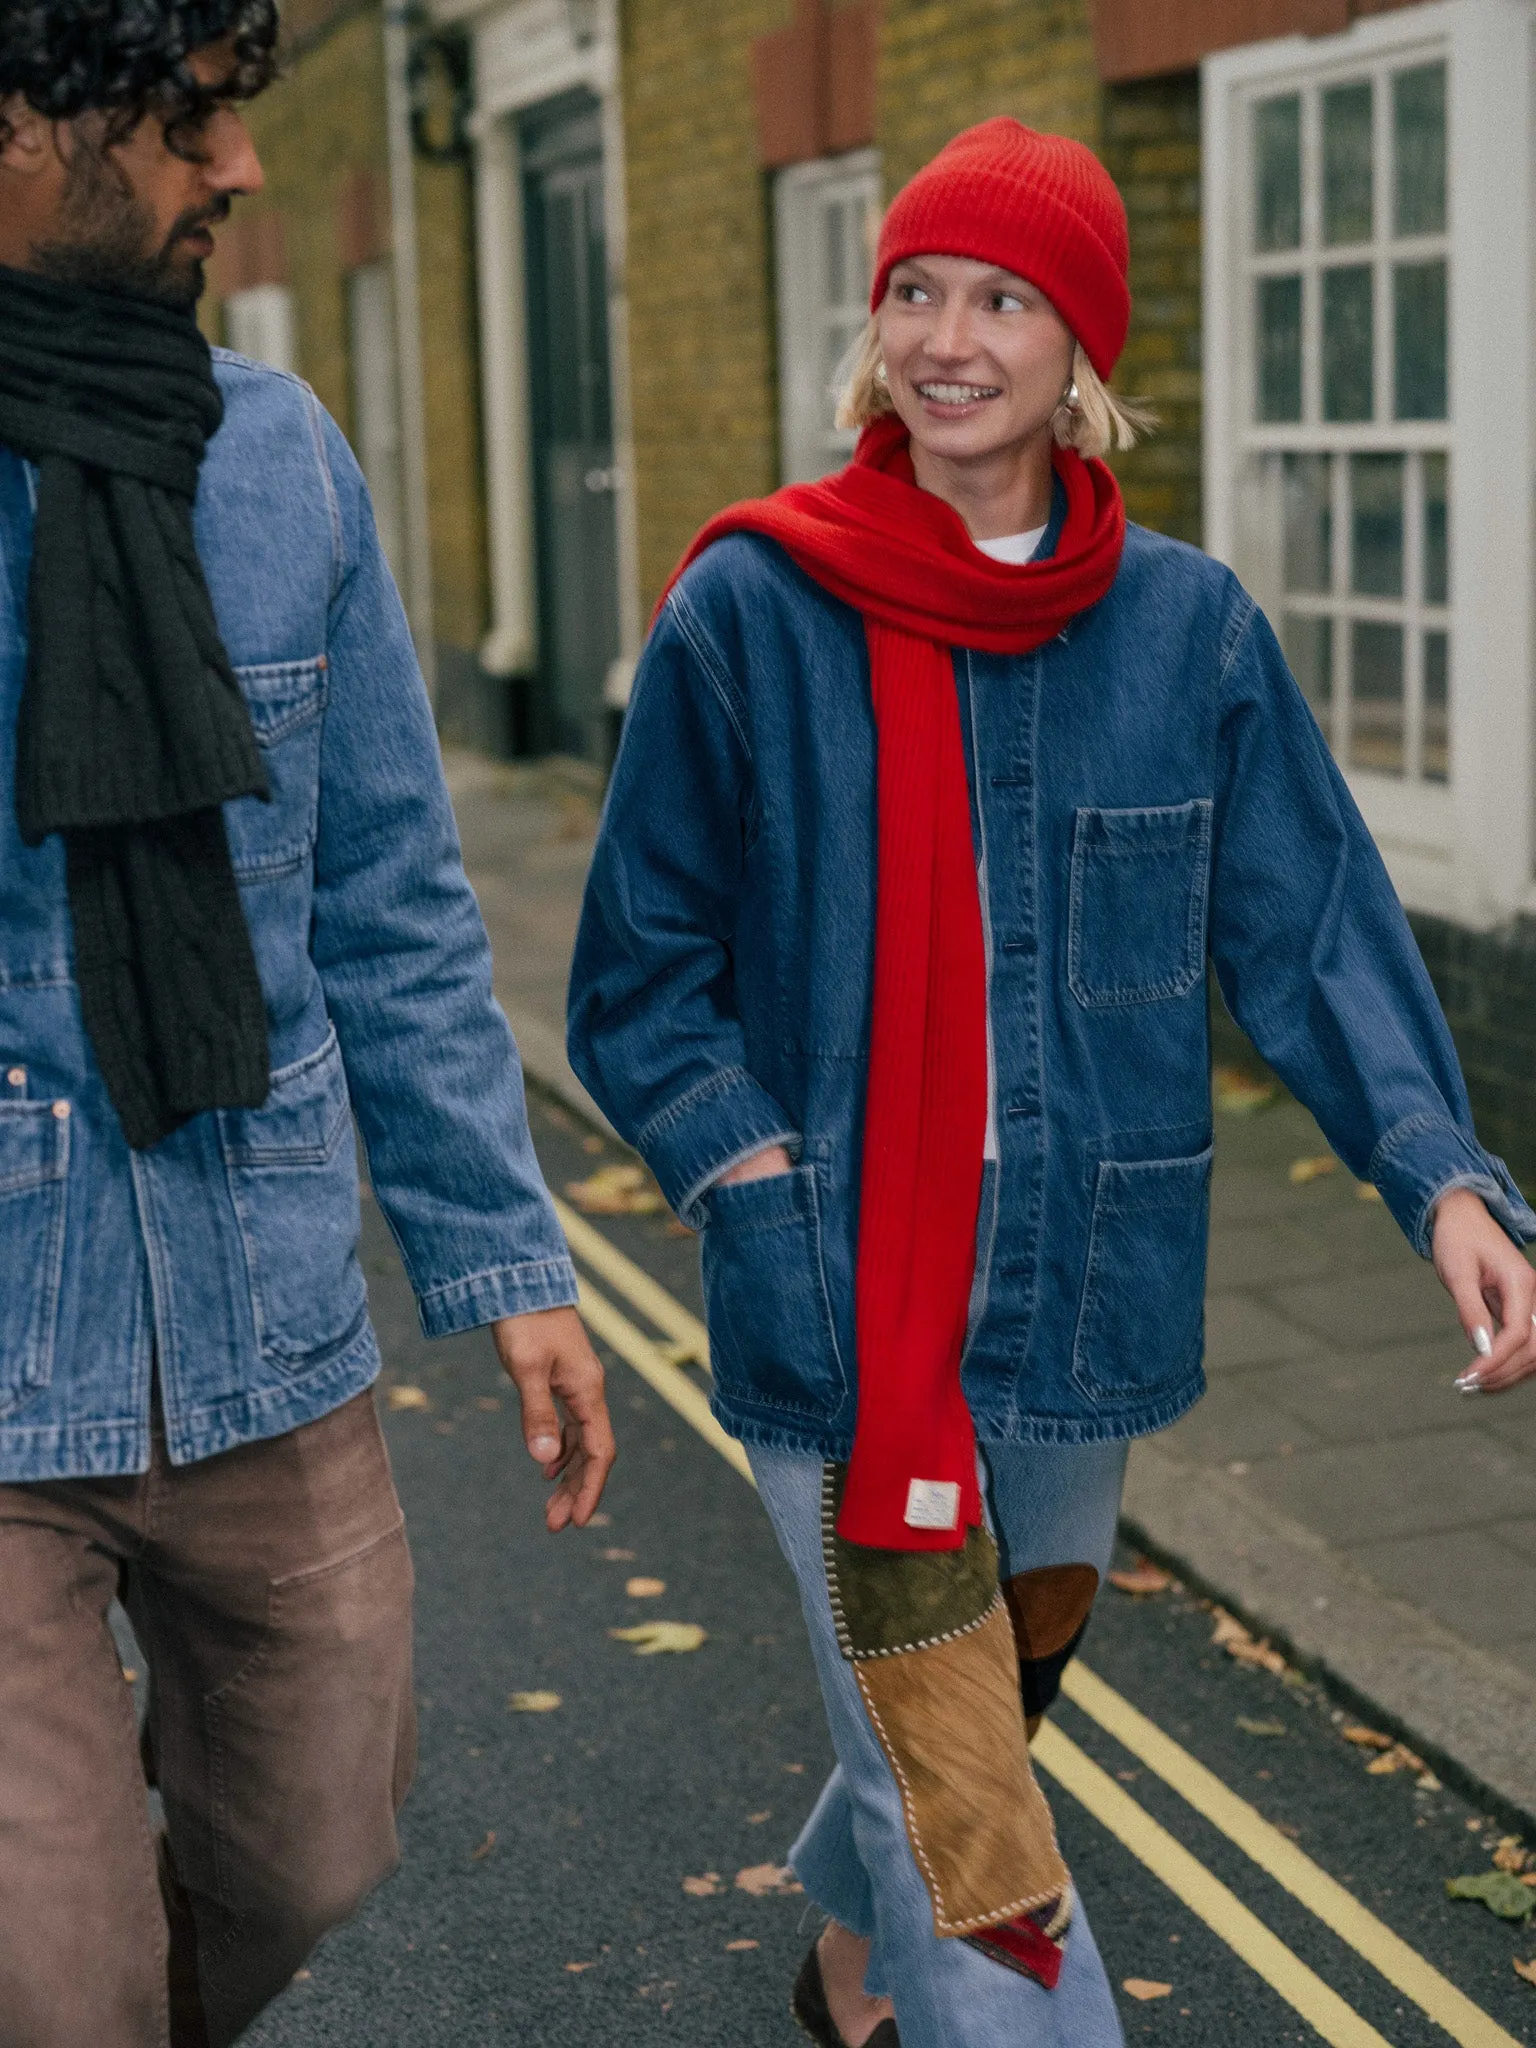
column 34, row 1178
column 292, row 1175
column 1136, row 920
column 285, row 700
column 771, row 1339
column 1141, row 1325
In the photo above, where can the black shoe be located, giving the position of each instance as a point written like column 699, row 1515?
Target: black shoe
column 808, row 2003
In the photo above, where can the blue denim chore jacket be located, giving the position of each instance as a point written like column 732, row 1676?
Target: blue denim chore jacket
column 1149, row 791
column 227, row 1255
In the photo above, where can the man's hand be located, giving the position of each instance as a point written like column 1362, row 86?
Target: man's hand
column 1494, row 1290
column 761, row 1166
column 565, row 1411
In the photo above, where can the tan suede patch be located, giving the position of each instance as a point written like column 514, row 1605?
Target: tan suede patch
column 951, row 1723
column 1049, row 1606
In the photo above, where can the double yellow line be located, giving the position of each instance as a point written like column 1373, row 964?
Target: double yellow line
column 663, row 1366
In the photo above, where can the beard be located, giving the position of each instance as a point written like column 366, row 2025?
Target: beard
column 106, row 240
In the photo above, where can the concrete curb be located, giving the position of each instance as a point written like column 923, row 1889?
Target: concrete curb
column 1472, row 1717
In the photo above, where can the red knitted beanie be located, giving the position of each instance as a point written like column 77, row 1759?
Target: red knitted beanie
column 1041, row 206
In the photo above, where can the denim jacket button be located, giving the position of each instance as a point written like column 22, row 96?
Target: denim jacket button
column 61, row 1110
column 17, row 1077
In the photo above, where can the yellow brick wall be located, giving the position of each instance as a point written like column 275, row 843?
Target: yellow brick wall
column 321, row 123
column 701, row 309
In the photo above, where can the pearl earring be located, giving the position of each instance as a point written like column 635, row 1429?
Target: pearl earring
column 880, row 377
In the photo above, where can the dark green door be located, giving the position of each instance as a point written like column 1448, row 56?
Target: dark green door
column 573, row 426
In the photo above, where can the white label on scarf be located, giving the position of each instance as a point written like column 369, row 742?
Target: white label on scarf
column 932, row 1504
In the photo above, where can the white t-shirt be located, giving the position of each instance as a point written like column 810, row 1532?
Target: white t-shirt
column 1017, row 548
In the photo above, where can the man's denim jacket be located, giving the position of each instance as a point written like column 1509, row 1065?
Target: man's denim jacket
column 225, row 1259
column 1149, row 792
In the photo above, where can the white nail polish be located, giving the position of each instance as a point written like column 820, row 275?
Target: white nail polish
column 1469, row 1383
column 1482, row 1343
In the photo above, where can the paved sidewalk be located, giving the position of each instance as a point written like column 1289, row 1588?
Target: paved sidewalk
column 1332, row 1485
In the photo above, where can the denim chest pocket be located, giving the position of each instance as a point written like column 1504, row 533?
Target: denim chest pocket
column 34, row 1177
column 771, row 1340
column 292, row 1175
column 1141, row 1325
column 286, row 700
column 1136, row 922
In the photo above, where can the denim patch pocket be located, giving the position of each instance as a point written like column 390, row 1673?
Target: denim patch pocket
column 34, row 1175
column 292, row 1174
column 1138, row 901
column 285, row 700
column 771, row 1339
column 1142, row 1320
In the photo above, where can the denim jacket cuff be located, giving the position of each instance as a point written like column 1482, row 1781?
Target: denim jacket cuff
column 721, row 1120
column 508, row 1291
column 1423, row 1158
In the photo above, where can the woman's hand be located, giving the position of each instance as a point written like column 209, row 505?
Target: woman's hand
column 1494, row 1290
column 759, row 1167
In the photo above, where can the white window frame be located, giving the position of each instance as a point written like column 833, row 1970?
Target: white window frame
column 378, row 438
column 1463, row 851
column 809, row 445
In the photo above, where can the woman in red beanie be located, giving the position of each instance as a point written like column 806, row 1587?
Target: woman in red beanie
column 939, row 789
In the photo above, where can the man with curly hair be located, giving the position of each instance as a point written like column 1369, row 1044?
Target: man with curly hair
column 233, row 918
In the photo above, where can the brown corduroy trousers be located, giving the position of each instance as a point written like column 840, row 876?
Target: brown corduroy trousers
column 270, row 1591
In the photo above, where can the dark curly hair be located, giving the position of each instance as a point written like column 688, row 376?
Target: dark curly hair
column 128, row 58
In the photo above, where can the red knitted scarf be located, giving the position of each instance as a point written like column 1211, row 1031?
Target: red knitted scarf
column 904, row 560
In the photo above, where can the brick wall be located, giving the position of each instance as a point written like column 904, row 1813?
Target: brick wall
column 320, row 133
column 700, row 307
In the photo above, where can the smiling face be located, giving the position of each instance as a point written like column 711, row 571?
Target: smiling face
column 133, row 216
column 977, row 361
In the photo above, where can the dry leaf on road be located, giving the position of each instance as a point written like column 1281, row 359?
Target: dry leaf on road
column 1315, row 1168
column 1509, row 1855
column 755, row 1820
column 406, row 1397
column 485, row 1848
column 1230, row 1635
column 532, row 1702
column 705, row 1887
column 1366, row 1738
column 1143, row 1578
column 650, row 1638
column 1498, row 1891
column 1251, row 1727
column 1398, row 1758
column 617, row 1191
column 1239, row 1094
column 645, row 1589
column 1145, row 1988
column 1526, row 1970
column 768, row 1880
column 736, row 1948
column 577, row 1968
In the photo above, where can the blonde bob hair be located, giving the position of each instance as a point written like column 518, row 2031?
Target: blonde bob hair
column 1098, row 423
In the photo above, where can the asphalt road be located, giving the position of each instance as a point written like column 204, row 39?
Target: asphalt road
column 542, row 1899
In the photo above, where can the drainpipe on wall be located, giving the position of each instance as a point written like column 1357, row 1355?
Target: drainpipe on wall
column 413, row 410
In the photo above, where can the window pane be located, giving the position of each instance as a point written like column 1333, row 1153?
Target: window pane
column 1376, row 509
column 1418, row 150
column 1437, row 555
column 836, row 217
column 1418, row 298
column 1348, row 342
column 1376, row 723
column 1347, row 163
column 1279, row 378
column 1437, row 695
column 1308, row 645
column 1308, row 522
column 1277, row 173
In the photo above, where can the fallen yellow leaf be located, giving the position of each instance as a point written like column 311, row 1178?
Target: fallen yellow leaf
column 1366, row 1738
column 485, row 1848
column 532, row 1702
column 1145, row 1988
column 1239, row 1094
column 1509, row 1855
column 645, row 1589
column 577, row 1968
column 1305, row 1170
column 1398, row 1758
column 1141, row 1579
column 736, row 1948
column 651, row 1638
column 755, row 1820
column 616, row 1191
column 768, row 1880
column 407, row 1397
column 1526, row 1970
column 1230, row 1635
column 705, row 1887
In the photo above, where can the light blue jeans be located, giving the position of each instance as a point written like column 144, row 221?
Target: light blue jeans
column 1049, row 1504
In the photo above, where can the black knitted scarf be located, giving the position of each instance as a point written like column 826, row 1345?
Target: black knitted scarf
column 133, row 730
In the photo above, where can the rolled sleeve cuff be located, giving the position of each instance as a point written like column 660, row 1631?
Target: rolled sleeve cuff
column 691, row 1142
column 507, row 1291
column 1423, row 1158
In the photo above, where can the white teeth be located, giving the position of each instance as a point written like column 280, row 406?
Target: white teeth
column 957, row 394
